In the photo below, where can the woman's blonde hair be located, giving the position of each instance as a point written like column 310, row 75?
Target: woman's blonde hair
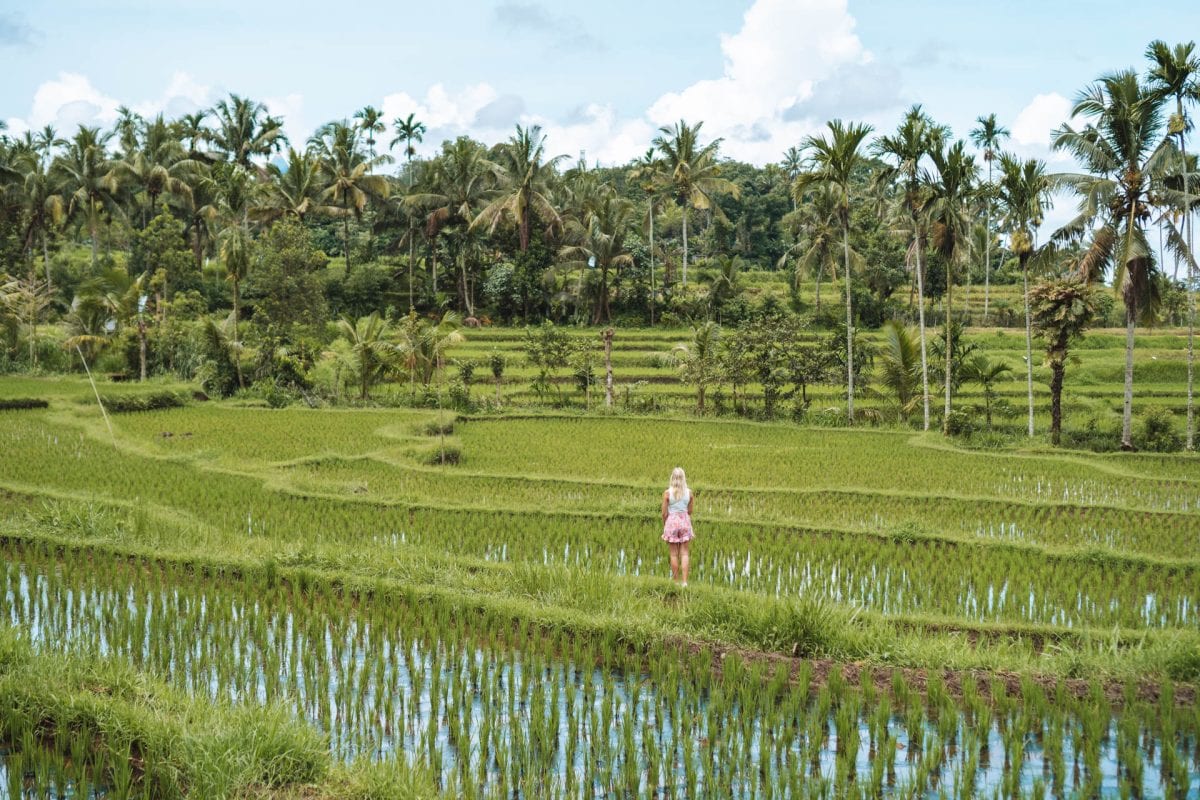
column 678, row 486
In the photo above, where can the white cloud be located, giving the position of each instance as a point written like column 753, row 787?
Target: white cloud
column 1034, row 122
column 770, row 94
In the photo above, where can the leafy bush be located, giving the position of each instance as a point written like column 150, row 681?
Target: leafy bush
column 125, row 403
column 959, row 423
column 22, row 403
column 1158, row 432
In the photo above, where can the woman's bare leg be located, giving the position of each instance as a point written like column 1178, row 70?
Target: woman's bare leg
column 685, row 561
column 674, row 561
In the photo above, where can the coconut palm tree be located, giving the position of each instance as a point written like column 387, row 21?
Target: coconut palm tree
column 190, row 128
column 1024, row 193
column 832, row 162
column 159, row 165
column 987, row 137
column 43, row 207
column 370, row 122
column 200, row 210
column 410, row 132
column 370, row 343
column 792, row 164
column 295, row 191
column 235, row 253
column 650, row 172
column 245, row 130
column 914, row 140
column 693, row 174
column 1062, row 311
column 598, row 241
column 1176, row 73
column 987, row 373
column 899, row 367
column 460, row 182
column 951, row 215
column 84, row 173
column 524, row 177
column 1125, row 158
column 817, row 228
column 346, row 170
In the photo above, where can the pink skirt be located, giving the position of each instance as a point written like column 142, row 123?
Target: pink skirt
column 678, row 528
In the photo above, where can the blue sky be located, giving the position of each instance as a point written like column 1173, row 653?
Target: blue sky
column 599, row 77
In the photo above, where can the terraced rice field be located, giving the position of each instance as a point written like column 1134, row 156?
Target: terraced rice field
column 871, row 612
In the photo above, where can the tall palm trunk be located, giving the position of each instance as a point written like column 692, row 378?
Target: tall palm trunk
column 608, row 371
column 921, row 320
column 1127, row 409
column 949, row 343
column 1024, row 257
column 346, row 240
column 412, row 240
column 95, row 243
column 685, row 246
column 987, row 247
column 849, row 325
column 46, row 261
column 237, row 356
column 1191, row 290
column 652, row 262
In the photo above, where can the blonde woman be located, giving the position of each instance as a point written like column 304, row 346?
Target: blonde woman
column 677, row 524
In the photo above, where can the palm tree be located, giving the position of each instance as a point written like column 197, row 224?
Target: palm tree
column 1125, row 158
column 235, row 252
column 190, row 127
column 914, row 140
column 599, row 241
column 692, row 173
column 817, row 228
column 1176, row 73
column 410, row 132
column 43, row 207
column 245, row 130
column 987, row 373
column 699, row 360
column 346, row 170
column 988, row 137
column 460, row 182
column 158, row 166
column 725, row 284
column 524, row 175
column 370, row 343
column 651, row 173
column 950, row 213
column 200, row 211
column 832, row 163
column 370, row 122
column 792, row 164
column 1062, row 311
column 85, row 174
column 1024, row 193
column 900, row 365
column 295, row 191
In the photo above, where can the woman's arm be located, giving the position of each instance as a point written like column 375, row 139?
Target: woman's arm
column 664, row 507
column 691, row 497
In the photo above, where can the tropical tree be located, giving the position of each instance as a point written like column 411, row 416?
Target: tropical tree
column 524, row 173
column 235, row 253
column 987, row 373
column 832, row 162
column 1125, row 158
column 1024, row 193
column 599, row 242
column 459, row 181
column 987, row 137
column 726, row 283
column 245, row 130
column 295, row 191
column 42, row 206
column 915, row 139
column 410, row 132
column 650, row 174
column 900, row 367
column 1176, row 74
column 159, row 165
column 793, row 165
column 347, row 172
column 699, row 360
column 85, row 174
column 692, row 173
column 26, row 299
column 817, row 228
column 370, row 121
column 950, row 212
column 370, row 344
column 1062, row 310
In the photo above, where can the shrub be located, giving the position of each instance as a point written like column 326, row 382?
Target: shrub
column 959, row 423
column 22, row 403
column 1158, row 431
column 124, row 403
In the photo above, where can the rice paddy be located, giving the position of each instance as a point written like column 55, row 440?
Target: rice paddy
column 871, row 613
